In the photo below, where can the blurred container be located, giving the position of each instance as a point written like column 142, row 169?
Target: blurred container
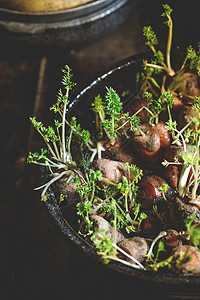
column 38, row 6
column 67, row 29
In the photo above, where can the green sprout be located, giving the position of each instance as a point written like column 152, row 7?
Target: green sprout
column 152, row 40
column 194, row 59
column 158, row 62
column 192, row 231
column 108, row 112
column 155, row 106
column 163, row 188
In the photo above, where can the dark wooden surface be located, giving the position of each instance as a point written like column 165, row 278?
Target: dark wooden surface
column 34, row 260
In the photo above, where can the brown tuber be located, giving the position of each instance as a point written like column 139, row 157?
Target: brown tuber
column 172, row 239
column 121, row 150
column 187, row 260
column 146, row 142
column 149, row 190
column 188, row 86
column 111, row 170
column 179, row 211
column 137, row 247
column 163, row 134
column 172, row 171
column 105, row 229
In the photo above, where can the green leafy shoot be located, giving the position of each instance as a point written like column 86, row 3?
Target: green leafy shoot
column 55, row 138
column 128, row 187
column 194, row 59
column 113, row 109
column 87, row 191
column 150, row 257
column 98, row 108
column 83, row 210
column 169, row 23
column 123, row 196
column 167, row 13
column 134, row 121
column 104, row 246
column 163, row 188
column 108, row 250
column 110, row 117
column 151, row 37
column 166, row 263
column 61, row 107
column 158, row 64
column 118, row 199
column 193, row 231
column 88, row 188
column 73, row 128
column 58, row 139
column 48, row 136
column 42, row 159
column 156, row 106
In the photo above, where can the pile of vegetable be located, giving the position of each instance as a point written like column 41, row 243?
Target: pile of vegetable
column 133, row 186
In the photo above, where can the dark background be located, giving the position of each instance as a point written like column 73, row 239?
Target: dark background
column 34, row 260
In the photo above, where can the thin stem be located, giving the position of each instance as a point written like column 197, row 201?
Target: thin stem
column 56, row 150
column 59, row 141
column 48, row 184
column 168, row 50
column 129, row 256
column 182, row 138
column 163, row 84
column 156, row 66
column 169, row 113
column 182, row 185
column 196, row 171
column 70, row 140
column 93, row 192
column 126, row 202
column 127, row 216
column 47, row 143
column 63, row 126
column 123, row 261
column 100, row 148
column 115, row 225
column 160, row 235
column 94, row 152
column 135, row 114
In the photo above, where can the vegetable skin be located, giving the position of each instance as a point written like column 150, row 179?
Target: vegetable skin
column 187, row 260
column 136, row 247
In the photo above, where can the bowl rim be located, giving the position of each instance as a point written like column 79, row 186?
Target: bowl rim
column 160, row 277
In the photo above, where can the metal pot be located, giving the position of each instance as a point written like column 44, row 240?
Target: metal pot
column 66, row 29
column 121, row 77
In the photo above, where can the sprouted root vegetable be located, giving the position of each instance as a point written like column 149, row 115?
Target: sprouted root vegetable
column 129, row 203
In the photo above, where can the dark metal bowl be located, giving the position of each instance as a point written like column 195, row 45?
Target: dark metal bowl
column 68, row 29
column 121, row 77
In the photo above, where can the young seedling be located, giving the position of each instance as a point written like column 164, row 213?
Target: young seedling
column 155, row 106
column 59, row 157
column 118, row 199
column 192, row 232
column 162, row 64
column 58, row 139
column 158, row 64
column 108, row 251
column 110, row 118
